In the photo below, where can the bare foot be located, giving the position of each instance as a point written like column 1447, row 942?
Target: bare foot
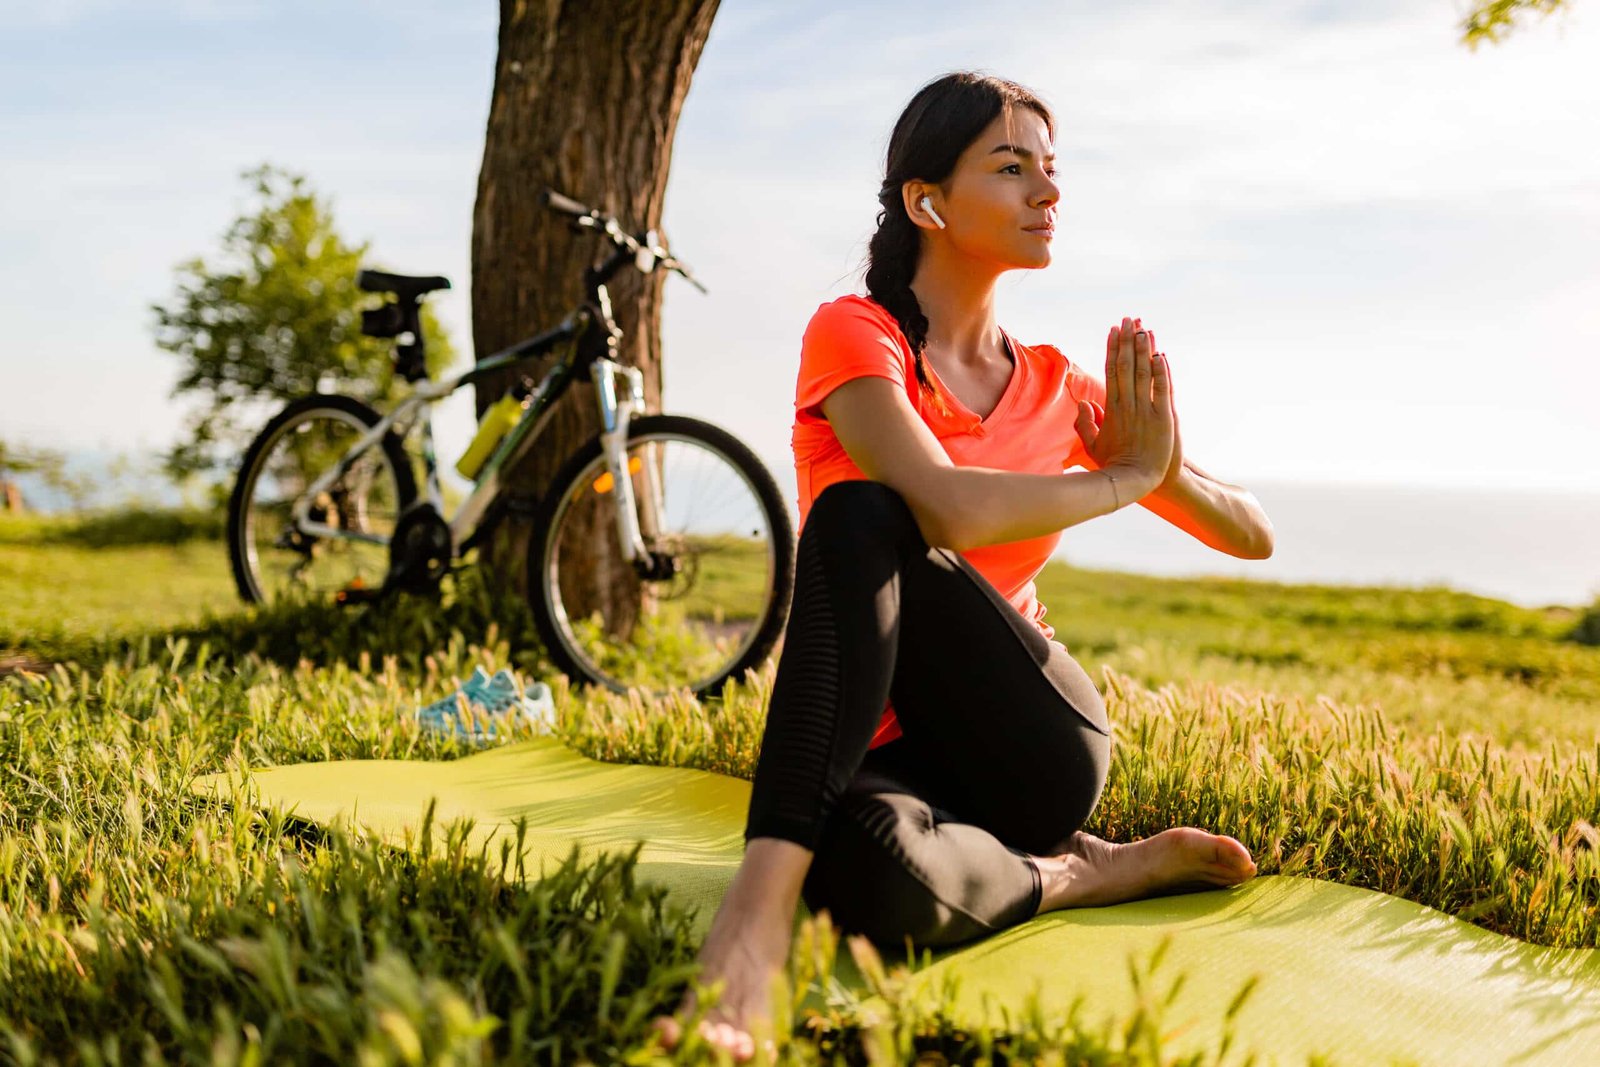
column 746, row 948
column 745, row 951
column 1093, row 873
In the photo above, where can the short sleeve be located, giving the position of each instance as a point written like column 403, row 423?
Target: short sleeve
column 847, row 338
column 1084, row 385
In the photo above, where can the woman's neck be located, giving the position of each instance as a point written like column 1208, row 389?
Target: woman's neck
column 957, row 296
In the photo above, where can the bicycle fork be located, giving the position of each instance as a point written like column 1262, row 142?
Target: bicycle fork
column 616, row 411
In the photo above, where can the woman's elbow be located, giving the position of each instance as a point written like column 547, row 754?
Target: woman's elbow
column 1262, row 544
column 940, row 526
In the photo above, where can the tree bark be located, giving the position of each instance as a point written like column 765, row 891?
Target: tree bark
column 586, row 101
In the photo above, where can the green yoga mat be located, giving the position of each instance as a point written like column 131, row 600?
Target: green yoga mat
column 1355, row 976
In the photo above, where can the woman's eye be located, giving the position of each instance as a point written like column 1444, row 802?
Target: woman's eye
column 1016, row 168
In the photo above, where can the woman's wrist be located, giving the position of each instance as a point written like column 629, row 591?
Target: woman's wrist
column 1129, row 484
column 1116, row 496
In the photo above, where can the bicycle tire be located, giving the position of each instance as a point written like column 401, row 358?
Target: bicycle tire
column 344, row 407
column 549, row 617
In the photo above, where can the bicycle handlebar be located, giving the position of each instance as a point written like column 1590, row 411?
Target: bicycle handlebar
column 564, row 204
column 595, row 219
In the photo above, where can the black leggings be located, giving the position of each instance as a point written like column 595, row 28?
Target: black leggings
column 1004, row 748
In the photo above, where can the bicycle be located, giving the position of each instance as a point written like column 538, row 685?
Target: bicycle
column 637, row 580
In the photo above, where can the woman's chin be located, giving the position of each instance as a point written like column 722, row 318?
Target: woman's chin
column 1036, row 253
column 1032, row 257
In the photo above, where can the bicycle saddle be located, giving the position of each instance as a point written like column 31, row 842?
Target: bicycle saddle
column 401, row 285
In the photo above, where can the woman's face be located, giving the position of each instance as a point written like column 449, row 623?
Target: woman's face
column 1000, row 194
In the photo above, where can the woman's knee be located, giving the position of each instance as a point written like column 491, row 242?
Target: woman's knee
column 1078, row 777
column 861, row 508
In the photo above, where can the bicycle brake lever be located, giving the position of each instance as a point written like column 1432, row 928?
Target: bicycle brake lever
column 673, row 264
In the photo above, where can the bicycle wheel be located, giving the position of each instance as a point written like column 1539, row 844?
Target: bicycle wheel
column 713, row 596
column 344, row 542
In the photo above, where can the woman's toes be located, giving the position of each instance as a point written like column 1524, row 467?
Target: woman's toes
column 1243, row 860
column 744, row 1046
column 730, row 1037
column 1232, row 855
column 722, row 1034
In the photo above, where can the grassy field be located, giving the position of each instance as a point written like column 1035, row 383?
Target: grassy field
column 1434, row 745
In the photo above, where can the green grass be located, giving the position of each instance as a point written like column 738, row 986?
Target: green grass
column 1433, row 745
column 59, row 600
column 118, row 527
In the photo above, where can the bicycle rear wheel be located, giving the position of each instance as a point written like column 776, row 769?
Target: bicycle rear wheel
column 711, row 599
column 344, row 542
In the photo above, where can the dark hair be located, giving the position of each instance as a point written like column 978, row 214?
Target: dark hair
column 937, row 125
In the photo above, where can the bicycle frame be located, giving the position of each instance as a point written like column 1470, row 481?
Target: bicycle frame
column 616, row 409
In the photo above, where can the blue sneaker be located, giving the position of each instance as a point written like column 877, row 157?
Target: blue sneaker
column 435, row 716
column 488, row 708
column 448, row 705
column 473, row 685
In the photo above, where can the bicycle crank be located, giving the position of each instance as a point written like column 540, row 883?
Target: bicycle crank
column 420, row 552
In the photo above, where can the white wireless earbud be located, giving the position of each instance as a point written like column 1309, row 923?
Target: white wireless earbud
column 927, row 205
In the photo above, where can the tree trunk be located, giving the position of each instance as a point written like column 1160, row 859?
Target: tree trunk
column 586, row 101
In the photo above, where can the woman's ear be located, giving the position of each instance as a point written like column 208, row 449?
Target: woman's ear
column 921, row 204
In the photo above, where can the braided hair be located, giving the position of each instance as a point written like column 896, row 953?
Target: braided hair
column 942, row 119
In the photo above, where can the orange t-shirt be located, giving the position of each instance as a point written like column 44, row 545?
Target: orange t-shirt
column 1031, row 430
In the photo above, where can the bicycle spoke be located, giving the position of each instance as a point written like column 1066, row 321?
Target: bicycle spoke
column 684, row 630
column 291, row 545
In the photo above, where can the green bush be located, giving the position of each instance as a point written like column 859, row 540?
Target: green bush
column 1587, row 631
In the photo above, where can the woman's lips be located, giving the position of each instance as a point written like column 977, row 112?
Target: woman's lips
column 1046, row 232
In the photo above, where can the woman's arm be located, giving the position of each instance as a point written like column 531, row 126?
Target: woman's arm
column 965, row 507
column 1226, row 517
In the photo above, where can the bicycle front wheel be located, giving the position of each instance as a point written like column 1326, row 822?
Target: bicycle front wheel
column 710, row 597
column 340, row 537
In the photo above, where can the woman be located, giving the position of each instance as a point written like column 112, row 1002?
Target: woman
column 930, row 753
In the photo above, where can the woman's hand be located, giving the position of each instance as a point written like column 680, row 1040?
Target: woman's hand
column 1174, row 468
column 1136, row 438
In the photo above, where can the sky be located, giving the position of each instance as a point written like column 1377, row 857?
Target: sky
column 1368, row 251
